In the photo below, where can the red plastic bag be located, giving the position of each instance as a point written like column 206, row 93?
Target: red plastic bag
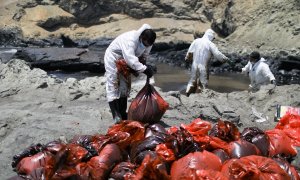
column 150, row 168
column 280, row 143
column 242, row 148
column 188, row 166
column 99, row 167
column 44, row 160
column 123, row 170
column 198, row 127
column 125, row 133
column 290, row 124
column 102, row 165
column 148, row 106
column 75, row 154
column 253, row 167
column 165, row 153
column 125, row 70
column 226, row 131
column 288, row 168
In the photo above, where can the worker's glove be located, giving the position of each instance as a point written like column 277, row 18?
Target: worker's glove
column 142, row 60
column 273, row 82
column 243, row 71
column 149, row 71
column 186, row 59
column 189, row 58
column 227, row 60
column 271, row 91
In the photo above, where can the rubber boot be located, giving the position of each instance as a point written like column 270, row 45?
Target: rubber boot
column 204, row 86
column 188, row 90
column 115, row 110
column 123, row 107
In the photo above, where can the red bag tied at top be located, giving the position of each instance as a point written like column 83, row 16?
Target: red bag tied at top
column 148, row 106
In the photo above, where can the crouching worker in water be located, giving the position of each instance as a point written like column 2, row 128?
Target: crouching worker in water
column 200, row 52
column 132, row 48
column 259, row 73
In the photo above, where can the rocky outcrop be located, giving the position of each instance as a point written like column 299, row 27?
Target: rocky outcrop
column 11, row 35
column 66, row 59
column 237, row 20
column 88, row 11
column 226, row 24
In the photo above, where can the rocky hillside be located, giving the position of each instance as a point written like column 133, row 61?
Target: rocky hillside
column 260, row 24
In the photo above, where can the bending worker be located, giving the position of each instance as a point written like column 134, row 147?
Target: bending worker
column 200, row 52
column 133, row 48
column 259, row 73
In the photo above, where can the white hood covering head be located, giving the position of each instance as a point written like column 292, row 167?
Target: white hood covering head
column 210, row 34
column 144, row 27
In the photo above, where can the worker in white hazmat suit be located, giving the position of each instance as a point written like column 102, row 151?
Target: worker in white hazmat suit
column 133, row 47
column 259, row 73
column 200, row 52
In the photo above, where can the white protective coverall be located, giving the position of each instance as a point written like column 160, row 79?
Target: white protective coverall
column 126, row 46
column 259, row 73
column 202, row 49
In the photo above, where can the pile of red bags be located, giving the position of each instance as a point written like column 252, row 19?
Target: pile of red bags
column 199, row 150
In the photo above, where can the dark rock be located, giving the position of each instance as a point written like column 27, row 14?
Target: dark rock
column 208, row 13
column 224, row 26
column 53, row 41
column 66, row 59
column 139, row 10
column 19, row 15
column 89, row 11
column 68, row 42
column 10, row 36
column 53, row 23
column 28, row 4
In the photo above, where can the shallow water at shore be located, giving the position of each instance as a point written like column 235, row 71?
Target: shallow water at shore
column 171, row 78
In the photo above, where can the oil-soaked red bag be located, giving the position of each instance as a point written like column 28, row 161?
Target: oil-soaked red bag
column 148, row 106
column 280, row 143
column 290, row 124
column 187, row 166
column 100, row 166
column 253, row 167
column 125, row 133
column 44, row 160
column 242, row 148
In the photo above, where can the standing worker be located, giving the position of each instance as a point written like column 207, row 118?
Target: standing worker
column 259, row 73
column 132, row 47
column 200, row 52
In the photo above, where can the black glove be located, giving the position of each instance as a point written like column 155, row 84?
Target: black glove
column 273, row 82
column 271, row 91
column 149, row 71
